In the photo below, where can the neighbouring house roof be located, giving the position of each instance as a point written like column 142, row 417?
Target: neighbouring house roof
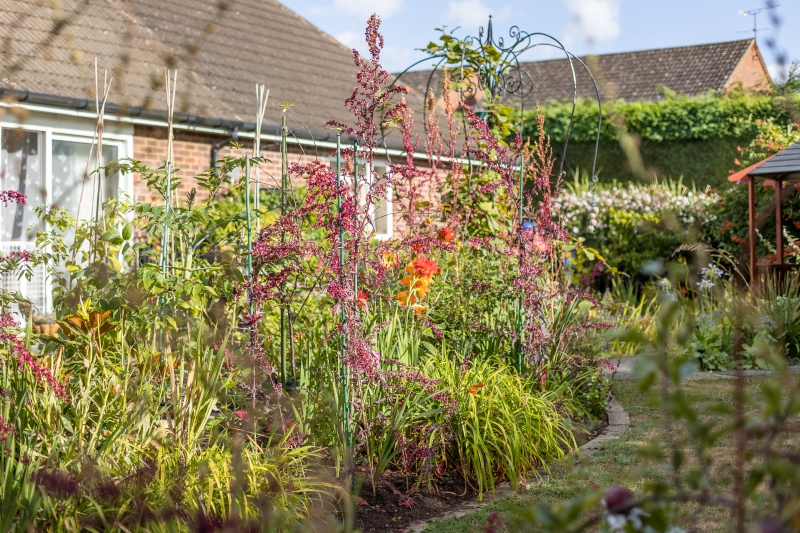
column 220, row 53
column 633, row 76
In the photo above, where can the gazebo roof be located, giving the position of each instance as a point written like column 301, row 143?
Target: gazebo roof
column 784, row 166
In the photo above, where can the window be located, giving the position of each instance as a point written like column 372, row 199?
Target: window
column 382, row 210
column 381, row 213
column 48, row 166
column 22, row 170
column 70, row 190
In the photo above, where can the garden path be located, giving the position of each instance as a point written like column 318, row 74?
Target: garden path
column 625, row 370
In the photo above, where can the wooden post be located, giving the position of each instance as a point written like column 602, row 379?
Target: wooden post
column 751, row 207
column 779, row 221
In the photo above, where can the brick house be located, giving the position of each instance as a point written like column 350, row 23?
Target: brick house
column 221, row 50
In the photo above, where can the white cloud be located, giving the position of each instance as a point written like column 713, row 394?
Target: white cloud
column 469, row 14
column 350, row 39
column 593, row 21
column 362, row 9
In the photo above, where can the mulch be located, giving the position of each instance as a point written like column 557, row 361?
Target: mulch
column 396, row 502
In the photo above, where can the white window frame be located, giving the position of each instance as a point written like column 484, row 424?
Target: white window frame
column 348, row 180
column 124, row 145
column 389, row 211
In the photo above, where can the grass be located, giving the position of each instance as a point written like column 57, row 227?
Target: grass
column 618, row 463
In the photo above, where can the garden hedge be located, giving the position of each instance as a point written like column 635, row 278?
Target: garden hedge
column 694, row 138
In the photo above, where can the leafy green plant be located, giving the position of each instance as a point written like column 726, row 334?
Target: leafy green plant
column 501, row 430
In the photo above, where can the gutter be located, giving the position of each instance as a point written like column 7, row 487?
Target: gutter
column 81, row 107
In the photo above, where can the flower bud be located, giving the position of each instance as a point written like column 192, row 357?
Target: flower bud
column 618, row 499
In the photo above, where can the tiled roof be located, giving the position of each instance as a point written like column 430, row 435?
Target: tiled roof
column 631, row 76
column 221, row 54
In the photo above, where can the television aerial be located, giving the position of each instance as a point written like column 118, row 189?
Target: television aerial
column 754, row 13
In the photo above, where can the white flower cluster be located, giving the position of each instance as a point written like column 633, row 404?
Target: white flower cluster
column 588, row 211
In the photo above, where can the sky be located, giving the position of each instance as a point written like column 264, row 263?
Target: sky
column 584, row 26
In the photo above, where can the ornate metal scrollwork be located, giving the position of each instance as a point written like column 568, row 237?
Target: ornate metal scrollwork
column 499, row 71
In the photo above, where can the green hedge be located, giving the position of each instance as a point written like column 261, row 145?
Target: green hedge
column 699, row 162
column 691, row 137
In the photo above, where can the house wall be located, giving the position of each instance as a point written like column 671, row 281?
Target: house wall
column 751, row 73
column 192, row 156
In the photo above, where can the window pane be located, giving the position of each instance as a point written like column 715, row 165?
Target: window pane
column 381, row 217
column 22, row 170
column 70, row 189
column 382, row 212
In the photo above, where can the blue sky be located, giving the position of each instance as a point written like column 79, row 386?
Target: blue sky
column 584, row 26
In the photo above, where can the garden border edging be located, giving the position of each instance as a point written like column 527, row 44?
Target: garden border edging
column 618, row 421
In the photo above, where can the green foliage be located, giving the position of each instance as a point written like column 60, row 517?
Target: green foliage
column 137, row 436
column 501, row 430
column 791, row 86
column 700, row 162
column 630, row 225
column 634, row 239
column 729, row 227
column 475, row 302
column 693, row 138
column 755, row 482
column 675, row 118
column 477, row 69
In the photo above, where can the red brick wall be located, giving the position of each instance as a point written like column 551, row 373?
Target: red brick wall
column 751, row 73
column 193, row 155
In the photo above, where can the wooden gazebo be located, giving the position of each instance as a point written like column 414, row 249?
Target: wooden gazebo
column 778, row 170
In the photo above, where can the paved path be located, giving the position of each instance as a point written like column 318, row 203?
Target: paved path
column 625, row 370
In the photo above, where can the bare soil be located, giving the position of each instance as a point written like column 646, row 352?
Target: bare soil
column 396, row 503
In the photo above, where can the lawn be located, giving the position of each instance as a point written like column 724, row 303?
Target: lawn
column 619, row 463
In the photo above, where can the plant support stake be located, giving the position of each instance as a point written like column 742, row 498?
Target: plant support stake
column 355, row 193
column 249, row 216
column 346, row 400
column 165, row 236
column 521, row 258
column 284, row 167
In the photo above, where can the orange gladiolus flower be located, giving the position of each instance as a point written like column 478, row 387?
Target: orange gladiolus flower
column 423, row 267
column 414, row 283
column 474, row 389
column 362, row 299
column 405, row 298
column 419, row 309
column 446, row 235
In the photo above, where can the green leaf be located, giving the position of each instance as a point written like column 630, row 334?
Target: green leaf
column 112, row 236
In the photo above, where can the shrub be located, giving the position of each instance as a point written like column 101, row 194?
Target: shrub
column 631, row 225
column 728, row 227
